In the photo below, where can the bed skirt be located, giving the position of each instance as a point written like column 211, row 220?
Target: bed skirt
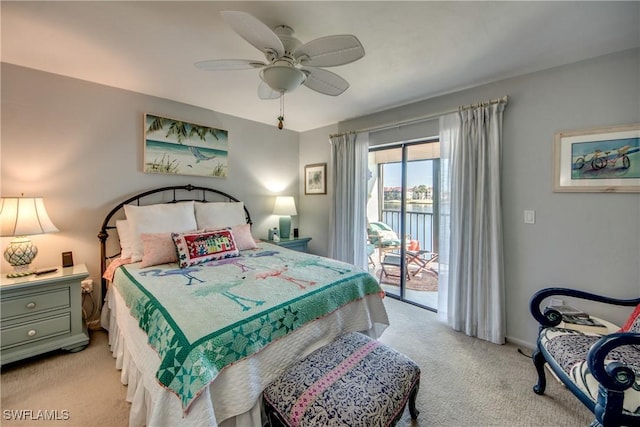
column 234, row 397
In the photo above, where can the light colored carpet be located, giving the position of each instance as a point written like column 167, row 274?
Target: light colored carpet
column 464, row 382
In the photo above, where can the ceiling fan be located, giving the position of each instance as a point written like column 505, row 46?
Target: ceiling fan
column 289, row 63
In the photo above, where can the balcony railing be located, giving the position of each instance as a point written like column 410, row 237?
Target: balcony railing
column 418, row 225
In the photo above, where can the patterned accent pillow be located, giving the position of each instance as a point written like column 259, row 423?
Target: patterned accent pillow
column 242, row 235
column 196, row 248
column 158, row 249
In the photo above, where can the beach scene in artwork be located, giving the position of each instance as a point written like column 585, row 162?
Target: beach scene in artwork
column 182, row 148
column 616, row 158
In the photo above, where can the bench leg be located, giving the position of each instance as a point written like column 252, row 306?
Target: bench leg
column 273, row 418
column 538, row 362
column 412, row 401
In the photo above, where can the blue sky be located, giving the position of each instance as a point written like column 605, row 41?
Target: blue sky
column 418, row 172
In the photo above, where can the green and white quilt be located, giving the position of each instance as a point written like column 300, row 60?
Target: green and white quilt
column 205, row 317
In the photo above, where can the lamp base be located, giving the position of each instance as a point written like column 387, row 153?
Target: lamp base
column 20, row 271
column 19, row 254
column 285, row 226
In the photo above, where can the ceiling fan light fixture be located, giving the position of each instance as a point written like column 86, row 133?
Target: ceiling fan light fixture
column 282, row 78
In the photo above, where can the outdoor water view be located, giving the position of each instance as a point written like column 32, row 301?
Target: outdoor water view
column 419, row 199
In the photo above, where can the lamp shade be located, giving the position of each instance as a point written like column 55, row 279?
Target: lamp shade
column 24, row 216
column 284, row 205
column 282, row 78
column 21, row 217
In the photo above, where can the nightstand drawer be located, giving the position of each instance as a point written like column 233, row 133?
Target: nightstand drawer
column 36, row 331
column 35, row 303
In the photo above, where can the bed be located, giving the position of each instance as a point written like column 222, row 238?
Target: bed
column 201, row 317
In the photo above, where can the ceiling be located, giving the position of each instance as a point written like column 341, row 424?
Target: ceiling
column 414, row 50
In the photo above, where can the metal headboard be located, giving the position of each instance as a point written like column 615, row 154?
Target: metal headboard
column 173, row 194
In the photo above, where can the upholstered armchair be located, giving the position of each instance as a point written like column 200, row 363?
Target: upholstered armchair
column 601, row 370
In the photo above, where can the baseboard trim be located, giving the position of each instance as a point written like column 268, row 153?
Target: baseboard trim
column 521, row 343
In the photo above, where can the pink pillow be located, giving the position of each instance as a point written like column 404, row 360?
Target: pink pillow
column 198, row 247
column 244, row 239
column 158, row 248
column 633, row 322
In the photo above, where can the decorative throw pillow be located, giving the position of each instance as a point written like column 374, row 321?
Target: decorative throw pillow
column 195, row 248
column 243, row 237
column 633, row 322
column 158, row 249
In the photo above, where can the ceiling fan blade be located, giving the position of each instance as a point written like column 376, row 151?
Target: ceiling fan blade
column 265, row 92
column 254, row 31
column 228, row 64
column 324, row 81
column 330, row 51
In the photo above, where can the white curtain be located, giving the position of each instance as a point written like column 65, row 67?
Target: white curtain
column 472, row 295
column 348, row 212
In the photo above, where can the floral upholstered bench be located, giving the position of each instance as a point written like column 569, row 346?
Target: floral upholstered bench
column 354, row 381
column 602, row 371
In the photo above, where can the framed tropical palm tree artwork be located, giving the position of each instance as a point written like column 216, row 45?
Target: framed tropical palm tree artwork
column 178, row 147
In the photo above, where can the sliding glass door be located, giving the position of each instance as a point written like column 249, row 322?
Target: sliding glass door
column 403, row 220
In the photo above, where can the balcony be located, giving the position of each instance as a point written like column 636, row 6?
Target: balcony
column 420, row 288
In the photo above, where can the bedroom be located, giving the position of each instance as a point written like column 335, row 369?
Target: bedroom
column 79, row 144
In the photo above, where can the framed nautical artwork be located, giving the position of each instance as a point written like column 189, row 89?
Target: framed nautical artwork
column 179, row 147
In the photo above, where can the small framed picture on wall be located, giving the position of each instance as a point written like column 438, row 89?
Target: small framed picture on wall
column 598, row 160
column 315, row 178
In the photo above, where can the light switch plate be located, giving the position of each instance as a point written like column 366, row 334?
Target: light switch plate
column 529, row 217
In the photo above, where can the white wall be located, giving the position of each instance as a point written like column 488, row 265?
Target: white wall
column 80, row 146
column 314, row 209
column 588, row 241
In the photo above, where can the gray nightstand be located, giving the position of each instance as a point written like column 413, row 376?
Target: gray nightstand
column 42, row 313
column 295, row 243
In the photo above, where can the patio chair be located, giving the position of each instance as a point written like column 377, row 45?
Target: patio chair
column 371, row 248
column 383, row 237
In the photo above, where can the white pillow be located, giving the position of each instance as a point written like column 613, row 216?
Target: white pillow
column 219, row 214
column 161, row 218
column 124, row 234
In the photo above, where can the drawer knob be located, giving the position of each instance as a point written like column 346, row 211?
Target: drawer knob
column 31, row 305
column 32, row 333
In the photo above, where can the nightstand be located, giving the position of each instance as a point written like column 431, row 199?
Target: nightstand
column 42, row 313
column 295, row 243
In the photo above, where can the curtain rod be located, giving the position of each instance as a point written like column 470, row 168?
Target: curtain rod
column 333, row 135
column 420, row 119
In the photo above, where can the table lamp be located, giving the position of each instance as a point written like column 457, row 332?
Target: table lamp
column 21, row 217
column 285, row 206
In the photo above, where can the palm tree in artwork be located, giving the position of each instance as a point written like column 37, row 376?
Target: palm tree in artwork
column 179, row 129
column 156, row 124
column 202, row 132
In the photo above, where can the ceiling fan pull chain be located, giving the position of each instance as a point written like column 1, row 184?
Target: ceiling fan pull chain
column 281, row 116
